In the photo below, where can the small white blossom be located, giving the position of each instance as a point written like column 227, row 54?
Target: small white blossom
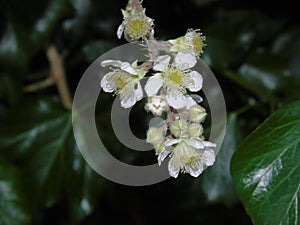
column 136, row 25
column 124, row 80
column 175, row 78
column 193, row 42
column 188, row 159
column 157, row 105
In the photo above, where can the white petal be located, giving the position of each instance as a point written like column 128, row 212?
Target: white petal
column 185, row 60
column 150, row 21
column 176, row 99
column 127, row 96
column 152, row 32
column 120, row 30
column 195, row 169
column 197, row 79
column 209, row 144
column 119, row 64
column 209, row 157
column 138, row 91
column 195, row 143
column 196, row 98
column 128, row 68
column 110, row 62
column 162, row 155
column 173, row 167
column 153, row 85
column 129, row 102
column 190, row 102
column 172, row 142
column 162, row 63
column 107, row 84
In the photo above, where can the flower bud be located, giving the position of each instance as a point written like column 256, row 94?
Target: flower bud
column 197, row 114
column 157, row 105
column 155, row 136
column 159, row 148
column 179, row 128
column 195, row 130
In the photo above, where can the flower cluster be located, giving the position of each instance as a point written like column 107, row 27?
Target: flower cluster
column 170, row 80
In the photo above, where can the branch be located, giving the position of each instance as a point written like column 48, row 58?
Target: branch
column 57, row 73
column 39, row 85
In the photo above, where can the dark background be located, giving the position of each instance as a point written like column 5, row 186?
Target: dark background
column 253, row 47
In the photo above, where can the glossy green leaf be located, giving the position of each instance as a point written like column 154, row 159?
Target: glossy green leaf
column 84, row 186
column 266, row 169
column 41, row 141
column 265, row 71
column 26, row 28
column 36, row 139
column 287, row 44
column 221, row 53
column 13, row 204
column 216, row 181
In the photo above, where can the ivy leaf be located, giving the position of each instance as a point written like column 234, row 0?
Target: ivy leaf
column 216, row 181
column 26, row 28
column 84, row 186
column 266, row 169
column 13, row 210
column 40, row 140
column 221, row 53
column 265, row 71
column 36, row 140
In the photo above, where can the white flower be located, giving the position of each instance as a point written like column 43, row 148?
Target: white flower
column 193, row 42
column 175, row 78
column 157, row 105
column 124, row 80
column 188, row 150
column 189, row 157
column 136, row 25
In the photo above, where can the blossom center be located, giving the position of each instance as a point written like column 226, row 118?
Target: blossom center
column 175, row 76
column 120, row 82
column 198, row 44
column 137, row 27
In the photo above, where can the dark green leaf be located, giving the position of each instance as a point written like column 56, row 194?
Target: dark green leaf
column 287, row 44
column 94, row 49
column 12, row 200
column 265, row 71
column 85, row 186
column 41, row 141
column 36, row 139
column 266, row 169
column 216, row 181
column 221, row 54
column 10, row 88
column 26, row 28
